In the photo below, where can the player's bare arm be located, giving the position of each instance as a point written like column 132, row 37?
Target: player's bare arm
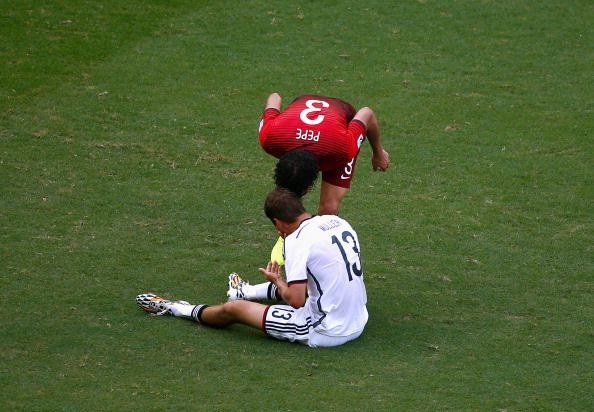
column 381, row 159
column 274, row 101
column 294, row 295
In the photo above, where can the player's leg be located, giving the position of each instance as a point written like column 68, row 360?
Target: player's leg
column 220, row 316
column 335, row 183
column 280, row 321
column 237, row 311
column 287, row 323
column 330, row 198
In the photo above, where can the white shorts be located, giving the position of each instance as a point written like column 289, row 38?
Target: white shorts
column 287, row 323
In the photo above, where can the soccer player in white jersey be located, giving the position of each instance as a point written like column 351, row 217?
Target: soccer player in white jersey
column 324, row 289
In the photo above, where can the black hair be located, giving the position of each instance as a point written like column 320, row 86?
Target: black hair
column 297, row 171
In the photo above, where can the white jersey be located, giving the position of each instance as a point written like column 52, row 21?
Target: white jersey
column 324, row 252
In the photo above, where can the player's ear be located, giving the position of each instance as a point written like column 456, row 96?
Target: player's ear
column 276, row 223
column 281, row 227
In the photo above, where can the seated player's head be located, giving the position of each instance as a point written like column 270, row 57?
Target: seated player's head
column 283, row 204
column 297, row 171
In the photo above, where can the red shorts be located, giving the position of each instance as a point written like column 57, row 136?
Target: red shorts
column 343, row 175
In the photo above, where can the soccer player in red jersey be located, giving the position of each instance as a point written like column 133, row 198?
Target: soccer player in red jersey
column 329, row 128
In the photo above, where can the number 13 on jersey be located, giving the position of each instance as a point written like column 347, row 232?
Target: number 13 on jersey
column 351, row 268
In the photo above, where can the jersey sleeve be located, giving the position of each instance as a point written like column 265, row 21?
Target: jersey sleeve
column 267, row 119
column 270, row 114
column 296, row 257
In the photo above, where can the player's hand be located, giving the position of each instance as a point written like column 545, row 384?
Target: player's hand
column 380, row 161
column 272, row 272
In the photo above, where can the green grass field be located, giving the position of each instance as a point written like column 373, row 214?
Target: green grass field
column 129, row 163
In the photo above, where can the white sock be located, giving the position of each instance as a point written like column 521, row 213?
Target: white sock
column 184, row 311
column 262, row 291
column 193, row 312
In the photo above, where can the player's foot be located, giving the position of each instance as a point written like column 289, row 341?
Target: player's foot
column 277, row 252
column 236, row 284
column 155, row 305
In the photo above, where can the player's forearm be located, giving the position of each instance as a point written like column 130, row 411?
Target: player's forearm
column 373, row 136
column 275, row 277
column 372, row 129
column 294, row 296
column 281, row 285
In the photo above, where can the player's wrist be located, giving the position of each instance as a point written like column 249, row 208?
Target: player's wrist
column 377, row 150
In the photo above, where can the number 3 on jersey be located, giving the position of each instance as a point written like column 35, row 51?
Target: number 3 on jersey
column 347, row 237
column 312, row 109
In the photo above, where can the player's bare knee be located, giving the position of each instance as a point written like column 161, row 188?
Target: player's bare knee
column 234, row 308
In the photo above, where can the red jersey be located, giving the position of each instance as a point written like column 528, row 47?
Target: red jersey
column 321, row 125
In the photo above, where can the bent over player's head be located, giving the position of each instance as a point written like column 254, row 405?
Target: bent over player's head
column 297, row 171
column 284, row 205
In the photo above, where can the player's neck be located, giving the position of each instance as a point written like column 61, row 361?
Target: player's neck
column 301, row 218
column 295, row 225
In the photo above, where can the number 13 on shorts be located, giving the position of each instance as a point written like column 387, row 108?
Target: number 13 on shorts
column 281, row 313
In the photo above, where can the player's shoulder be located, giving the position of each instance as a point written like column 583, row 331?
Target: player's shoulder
column 318, row 224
